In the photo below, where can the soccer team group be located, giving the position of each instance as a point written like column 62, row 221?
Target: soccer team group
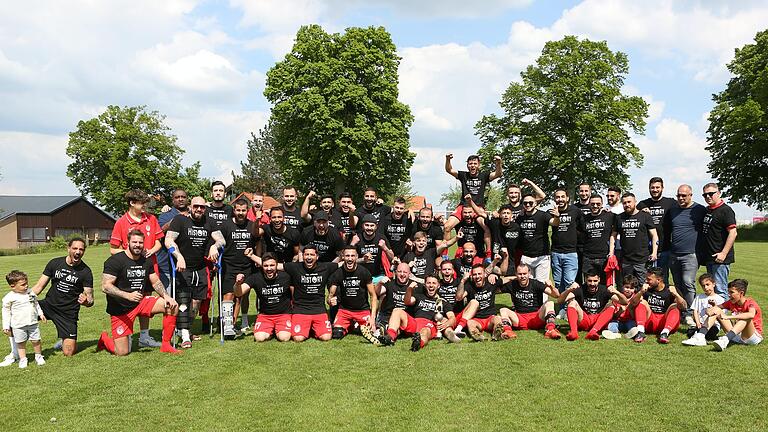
column 325, row 268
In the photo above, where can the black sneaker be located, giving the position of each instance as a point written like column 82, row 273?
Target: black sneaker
column 460, row 334
column 416, row 342
column 639, row 337
column 206, row 328
column 386, row 340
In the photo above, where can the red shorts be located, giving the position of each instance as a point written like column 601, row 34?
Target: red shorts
column 655, row 323
column 318, row 323
column 529, row 321
column 345, row 318
column 272, row 323
column 122, row 325
column 486, row 324
column 414, row 325
column 588, row 321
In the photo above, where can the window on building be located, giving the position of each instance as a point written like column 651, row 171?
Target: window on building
column 33, row 234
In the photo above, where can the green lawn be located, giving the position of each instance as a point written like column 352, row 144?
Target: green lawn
column 525, row 384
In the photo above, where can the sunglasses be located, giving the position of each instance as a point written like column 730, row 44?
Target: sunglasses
column 198, row 206
column 709, row 194
column 528, row 203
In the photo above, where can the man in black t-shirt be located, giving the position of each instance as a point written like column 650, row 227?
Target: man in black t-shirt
column 637, row 231
column 291, row 212
column 372, row 205
column 426, row 308
column 473, row 230
column 531, row 311
column 427, row 224
column 356, row 299
column 534, row 242
column 656, row 307
column 396, row 226
column 565, row 259
column 273, row 291
column 423, row 260
column 658, row 206
column 188, row 240
column 327, row 240
column 218, row 211
column 373, row 248
column 717, row 238
column 597, row 227
column 280, row 240
column 237, row 234
column 482, row 290
column 590, row 307
column 392, row 294
column 71, row 286
column 123, row 281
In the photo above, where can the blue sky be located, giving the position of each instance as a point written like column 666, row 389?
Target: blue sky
column 203, row 63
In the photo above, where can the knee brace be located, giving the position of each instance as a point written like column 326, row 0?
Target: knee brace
column 184, row 299
column 227, row 311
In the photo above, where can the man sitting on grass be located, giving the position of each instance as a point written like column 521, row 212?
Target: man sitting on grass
column 590, row 307
column 421, row 325
column 745, row 323
column 531, row 312
column 656, row 307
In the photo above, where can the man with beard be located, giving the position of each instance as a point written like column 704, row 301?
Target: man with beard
column 658, row 206
column 346, row 214
column 505, row 232
column 137, row 218
column 717, row 238
column 327, row 241
column 180, row 202
column 473, row 183
column 372, row 248
column 531, row 311
column 71, row 286
column 614, row 200
column 636, row 229
column 425, row 303
column 479, row 288
column 218, row 211
column 395, row 227
column 452, row 292
column 237, row 234
column 515, row 195
column 187, row 241
column 656, row 307
column 291, row 213
column 357, row 299
column 280, row 240
column 474, row 230
column 124, row 277
column 565, row 260
column 423, row 260
column 534, row 242
column 463, row 265
column 392, row 293
column 429, row 226
column 257, row 212
column 584, row 192
column 372, row 205
column 274, row 291
column 597, row 227
column 590, row 307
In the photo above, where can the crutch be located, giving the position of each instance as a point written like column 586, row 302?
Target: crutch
column 218, row 284
column 173, row 284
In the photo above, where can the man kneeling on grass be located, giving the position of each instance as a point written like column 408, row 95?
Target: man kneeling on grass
column 745, row 323
column 656, row 307
column 590, row 307
column 354, row 285
column 125, row 275
column 531, row 311
column 421, row 325
column 274, row 292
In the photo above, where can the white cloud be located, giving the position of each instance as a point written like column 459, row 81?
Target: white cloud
column 23, row 171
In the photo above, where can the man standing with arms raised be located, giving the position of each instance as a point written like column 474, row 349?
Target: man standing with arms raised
column 718, row 234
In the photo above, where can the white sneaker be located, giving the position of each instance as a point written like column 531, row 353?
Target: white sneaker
column 562, row 315
column 23, row 363
column 721, row 343
column 696, row 340
column 57, row 346
column 148, row 342
column 631, row 333
column 39, row 359
column 689, row 321
column 607, row 334
column 8, row 360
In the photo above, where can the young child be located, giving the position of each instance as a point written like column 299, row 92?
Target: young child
column 702, row 332
column 622, row 319
column 745, row 323
column 20, row 315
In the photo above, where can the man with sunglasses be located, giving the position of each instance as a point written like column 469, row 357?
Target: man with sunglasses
column 597, row 227
column 534, row 242
column 683, row 223
column 718, row 234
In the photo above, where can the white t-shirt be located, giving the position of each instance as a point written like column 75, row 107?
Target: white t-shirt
column 701, row 304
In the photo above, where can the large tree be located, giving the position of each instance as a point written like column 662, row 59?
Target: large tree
column 567, row 120
column 260, row 171
column 738, row 127
column 128, row 148
column 337, row 122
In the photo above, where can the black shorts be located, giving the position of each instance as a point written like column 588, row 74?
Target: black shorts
column 228, row 279
column 194, row 282
column 66, row 323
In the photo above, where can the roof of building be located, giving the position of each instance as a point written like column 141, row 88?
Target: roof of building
column 27, row 204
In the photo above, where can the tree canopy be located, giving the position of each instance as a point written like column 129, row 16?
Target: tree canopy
column 128, row 148
column 738, row 127
column 567, row 120
column 260, row 172
column 337, row 122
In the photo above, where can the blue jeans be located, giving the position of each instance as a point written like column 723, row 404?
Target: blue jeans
column 720, row 272
column 565, row 266
column 662, row 261
column 683, row 269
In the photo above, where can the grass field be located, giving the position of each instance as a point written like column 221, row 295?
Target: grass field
column 524, row 384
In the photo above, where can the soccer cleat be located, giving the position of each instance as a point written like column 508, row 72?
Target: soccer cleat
column 416, row 342
column 664, row 338
column 552, row 334
column 386, row 340
column 148, row 342
column 206, row 328
column 497, row 330
column 57, row 346
column 573, row 336
column 592, row 335
column 508, row 334
column 639, row 337
column 23, row 363
column 246, row 330
column 476, row 334
column 451, row 335
column 186, row 344
column 8, row 360
column 100, row 344
column 39, row 359
column 460, row 334
column 168, row 348
column 720, row 344
column 632, row 333
column 697, row 339
column 607, row 334
column 368, row 335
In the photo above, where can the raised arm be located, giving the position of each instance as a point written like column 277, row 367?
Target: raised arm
column 538, row 194
column 449, row 167
column 618, row 296
column 305, row 206
column 497, row 173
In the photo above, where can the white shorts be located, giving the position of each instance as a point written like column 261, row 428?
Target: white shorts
column 755, row 339
column 29, row 332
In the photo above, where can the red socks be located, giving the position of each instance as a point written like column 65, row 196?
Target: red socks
column 641, row 314
column 573, row 319
column 392, row 334
column 604, row 318
column 105, row 343
column 672, row 320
